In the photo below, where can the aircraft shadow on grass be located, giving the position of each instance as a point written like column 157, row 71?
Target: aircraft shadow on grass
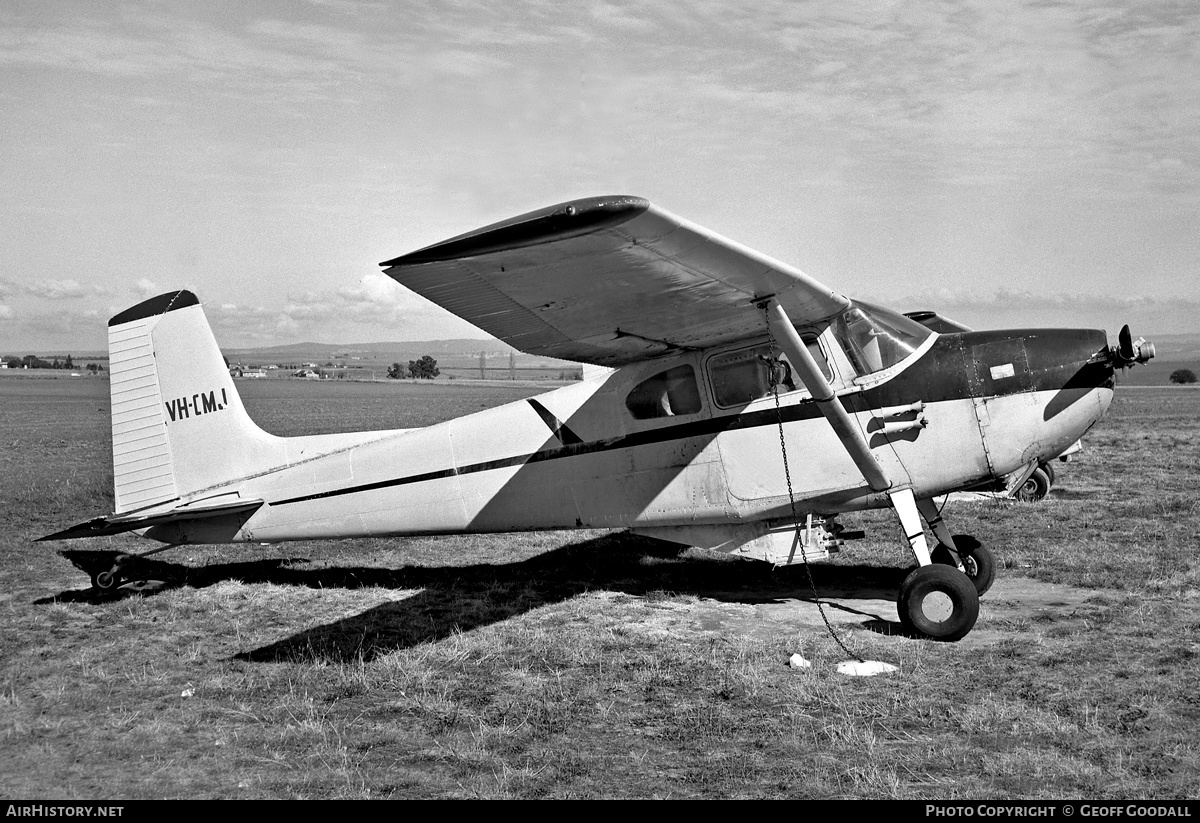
column 460, row 598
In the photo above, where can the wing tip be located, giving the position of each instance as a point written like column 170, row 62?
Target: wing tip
column 557, row 222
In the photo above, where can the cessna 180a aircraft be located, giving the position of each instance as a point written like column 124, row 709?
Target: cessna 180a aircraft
column 745, row 405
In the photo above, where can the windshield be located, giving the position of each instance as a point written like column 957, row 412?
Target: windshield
column 875, row 338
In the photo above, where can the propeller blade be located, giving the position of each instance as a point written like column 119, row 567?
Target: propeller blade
column 1129, row 351
column 1125, row 346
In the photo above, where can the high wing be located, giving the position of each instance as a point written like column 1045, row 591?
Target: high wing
column 609, row 280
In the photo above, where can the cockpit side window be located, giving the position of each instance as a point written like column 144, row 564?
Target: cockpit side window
column 740, row 377
column 670, row 393
column 875, row 338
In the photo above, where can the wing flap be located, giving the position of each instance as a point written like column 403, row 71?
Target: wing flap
column 609, row 281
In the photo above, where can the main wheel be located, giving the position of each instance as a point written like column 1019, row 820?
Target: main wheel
column 1035, row 487
column 978, row 562
column 939, row 602
column 1048, row 468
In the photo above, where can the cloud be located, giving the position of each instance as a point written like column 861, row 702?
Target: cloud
column 146, row 288
column 283, row 63
column 241, row 325
column 376, row 293
column 62, row 329
column 68, row 289
column 1022, row 308
column 187, row 137
column 378, row 308
column 621, row 17
column 59, row 289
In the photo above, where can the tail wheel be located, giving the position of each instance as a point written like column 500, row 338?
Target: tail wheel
column 107, row 581
column 977, row 559
column 939, row 602
column 1035, row 487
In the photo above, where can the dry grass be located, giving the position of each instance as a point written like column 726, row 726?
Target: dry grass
column 577, row 664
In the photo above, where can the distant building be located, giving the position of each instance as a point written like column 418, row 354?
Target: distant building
column 242, row 371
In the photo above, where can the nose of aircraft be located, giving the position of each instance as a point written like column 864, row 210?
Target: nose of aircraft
column 1051, row 386
column 1078, row 368
column 1081, row 359
column 1071, row 360
column 1035, row 391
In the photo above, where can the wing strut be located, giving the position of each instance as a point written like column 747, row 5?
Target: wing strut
column 827, row 401
column 903, row 500
column 949, row 583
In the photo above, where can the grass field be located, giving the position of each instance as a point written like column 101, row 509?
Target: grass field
column 593, row 664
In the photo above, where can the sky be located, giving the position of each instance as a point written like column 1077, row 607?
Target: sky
column 1007, row 164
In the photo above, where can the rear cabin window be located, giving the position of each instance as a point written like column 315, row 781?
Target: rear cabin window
column 666, row 394
column 744, row 376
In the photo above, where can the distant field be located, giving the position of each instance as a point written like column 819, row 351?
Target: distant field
column 593, row 664
column 1158, row 373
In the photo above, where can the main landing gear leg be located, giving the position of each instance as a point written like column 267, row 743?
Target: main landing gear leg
column 937, row 600
column 962, row 551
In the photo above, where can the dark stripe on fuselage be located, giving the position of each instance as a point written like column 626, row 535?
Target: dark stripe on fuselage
column 946, row 372
column 558, row 428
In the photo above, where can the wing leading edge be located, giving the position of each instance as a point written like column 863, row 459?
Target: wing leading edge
column 608, row 280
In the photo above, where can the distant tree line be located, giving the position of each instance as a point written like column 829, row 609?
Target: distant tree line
column 32, row 361
column 424, row 369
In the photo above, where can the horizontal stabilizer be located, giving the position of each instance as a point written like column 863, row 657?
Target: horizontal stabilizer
column 121, row 523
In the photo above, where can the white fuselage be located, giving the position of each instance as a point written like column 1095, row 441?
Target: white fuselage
column 579, row 457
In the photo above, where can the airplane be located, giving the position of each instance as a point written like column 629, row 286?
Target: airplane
column 731, row 402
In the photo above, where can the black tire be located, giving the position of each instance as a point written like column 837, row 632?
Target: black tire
column 1035, row 487
column 1048, row 468
column 978, row 562
column 939, row 602
column 112, row 578
column 106, row 581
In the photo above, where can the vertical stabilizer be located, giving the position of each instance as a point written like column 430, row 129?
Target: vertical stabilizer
column 178, row 423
